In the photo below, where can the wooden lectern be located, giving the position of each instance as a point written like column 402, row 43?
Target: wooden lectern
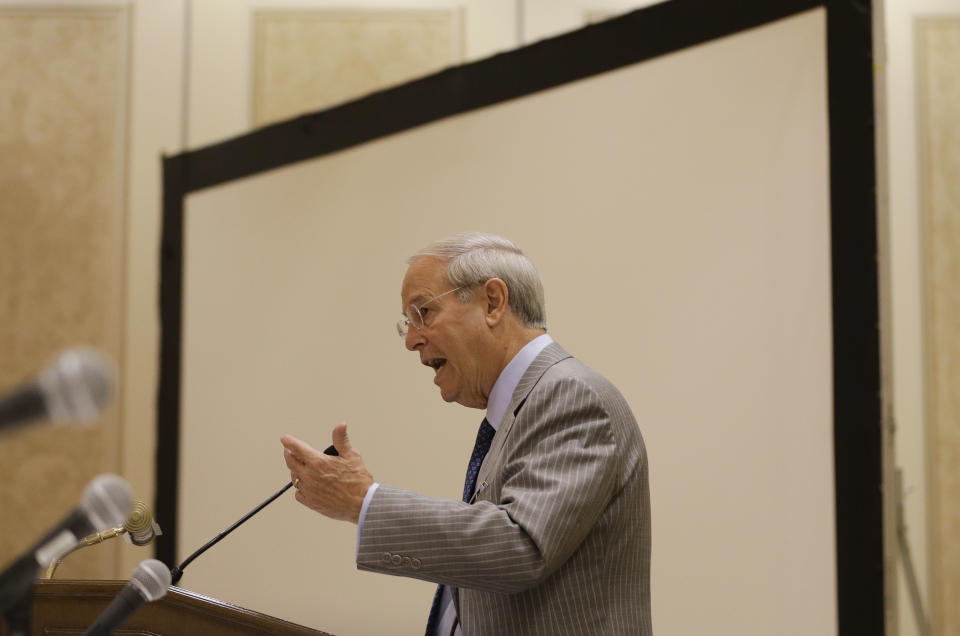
column 68, row 608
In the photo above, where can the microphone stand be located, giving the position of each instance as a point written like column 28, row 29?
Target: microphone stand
column 16, row 590
column 93, row 539
column 177, row 573
column 18, row 618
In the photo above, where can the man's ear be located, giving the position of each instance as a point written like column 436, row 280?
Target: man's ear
column 497, row 298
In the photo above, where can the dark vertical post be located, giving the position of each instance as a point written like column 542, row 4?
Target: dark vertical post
column 856, row 331
column 171, row 320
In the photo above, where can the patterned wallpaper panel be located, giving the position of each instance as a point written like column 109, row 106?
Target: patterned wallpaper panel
column 938, row 48
column 63, row 101
column 307, row 60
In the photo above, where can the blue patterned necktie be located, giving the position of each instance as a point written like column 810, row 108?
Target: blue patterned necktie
column 480, row 448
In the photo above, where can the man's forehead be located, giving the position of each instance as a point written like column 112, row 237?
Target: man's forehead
column 424, row 277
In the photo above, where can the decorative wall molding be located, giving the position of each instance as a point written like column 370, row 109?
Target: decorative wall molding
column 938, row 107
column 308, row 60
column 63, row 114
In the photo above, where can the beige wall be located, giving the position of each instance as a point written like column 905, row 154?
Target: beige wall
column 155, row 129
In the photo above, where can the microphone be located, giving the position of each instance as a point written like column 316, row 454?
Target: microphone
column 177, row 572
column 148, row 583
column 140, row 525
column 74, row 387
column 106, row 502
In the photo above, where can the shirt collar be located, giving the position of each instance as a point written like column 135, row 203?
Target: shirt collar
column 509, row 378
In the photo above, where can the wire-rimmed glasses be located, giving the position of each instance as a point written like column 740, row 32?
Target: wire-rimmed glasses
column 419, row 315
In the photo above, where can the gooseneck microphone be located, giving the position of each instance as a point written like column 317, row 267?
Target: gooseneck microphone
column 75, row 387
column 177, row 572
column 139, row 528
column 106, row 501
column 148, row 583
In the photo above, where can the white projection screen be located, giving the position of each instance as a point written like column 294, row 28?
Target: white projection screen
column 678, row 210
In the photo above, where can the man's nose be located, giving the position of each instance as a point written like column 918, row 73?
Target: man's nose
column 414, row 338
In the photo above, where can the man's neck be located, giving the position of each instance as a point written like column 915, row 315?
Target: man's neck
column 510, row 376
column 517, row 341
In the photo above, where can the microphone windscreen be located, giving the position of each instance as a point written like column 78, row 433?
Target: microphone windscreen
column 107, row 501
column 151, row 578
column 77, row 385
column 139, row 525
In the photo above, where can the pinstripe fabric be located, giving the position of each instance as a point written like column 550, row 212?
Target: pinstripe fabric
column 559, row 541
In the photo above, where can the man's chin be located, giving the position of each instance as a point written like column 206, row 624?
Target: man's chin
column 451, row 395
column 447, row 395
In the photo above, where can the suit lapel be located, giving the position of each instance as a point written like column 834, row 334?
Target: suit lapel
column 552, row 354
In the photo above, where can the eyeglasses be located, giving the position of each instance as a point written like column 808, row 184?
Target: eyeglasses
column 419, row 316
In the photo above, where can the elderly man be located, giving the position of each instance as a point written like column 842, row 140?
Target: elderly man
column 553, row 533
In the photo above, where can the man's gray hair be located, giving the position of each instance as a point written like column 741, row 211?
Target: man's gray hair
column 475, row 257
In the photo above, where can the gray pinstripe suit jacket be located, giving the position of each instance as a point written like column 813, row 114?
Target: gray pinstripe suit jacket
column 558, row 541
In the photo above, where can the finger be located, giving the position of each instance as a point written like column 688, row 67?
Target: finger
column 292, row 461
column 341, row 441
column 300, row 450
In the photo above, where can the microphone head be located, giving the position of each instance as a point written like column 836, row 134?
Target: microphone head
column 77, row 385
column 107, row 501
column 140, row 526
column 151, row 578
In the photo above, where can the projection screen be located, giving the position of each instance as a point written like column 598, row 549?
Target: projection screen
column 678, row 210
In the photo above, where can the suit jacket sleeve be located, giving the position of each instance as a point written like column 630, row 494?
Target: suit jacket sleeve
column 553, row 476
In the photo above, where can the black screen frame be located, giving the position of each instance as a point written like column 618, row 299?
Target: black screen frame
column 634, row 37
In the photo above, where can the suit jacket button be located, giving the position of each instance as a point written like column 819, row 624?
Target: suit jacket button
column 415, row 563
column 396, row 559
column 406, row 562
column 386, row 557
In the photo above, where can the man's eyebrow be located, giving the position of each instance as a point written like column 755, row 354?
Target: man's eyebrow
column 406, row 305
column 417, row 299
